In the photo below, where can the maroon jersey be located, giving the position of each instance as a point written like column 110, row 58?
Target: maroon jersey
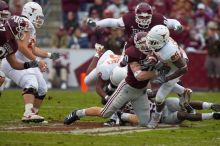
column 8, row 44
column 132, row 54
column 131, row 27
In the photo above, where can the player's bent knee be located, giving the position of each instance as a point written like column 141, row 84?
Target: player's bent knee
column 30, row 90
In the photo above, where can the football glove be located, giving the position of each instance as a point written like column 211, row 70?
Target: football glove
column 31, row 64
column 160, row 79
column 55, row 56
column 91, row 22
column 178, row 28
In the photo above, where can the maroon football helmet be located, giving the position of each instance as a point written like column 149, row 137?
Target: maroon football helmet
column 143, row 14
column 4, row 11
column 17, row 26
column 140, row 39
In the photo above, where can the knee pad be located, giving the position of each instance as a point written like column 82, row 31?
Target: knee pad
column 42, row 91
column 40, row 97
column 110, row 89
column 30, row 90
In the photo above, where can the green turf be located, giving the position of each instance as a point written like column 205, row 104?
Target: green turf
column 59, row 103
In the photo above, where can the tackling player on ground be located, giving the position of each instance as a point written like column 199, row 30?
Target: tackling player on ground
column 132, row 89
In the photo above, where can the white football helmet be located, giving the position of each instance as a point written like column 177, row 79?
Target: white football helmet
column 34, row 13
column 118, row 74
column 157, row 37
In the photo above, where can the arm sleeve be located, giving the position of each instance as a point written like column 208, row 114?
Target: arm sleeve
column 173, row 23
column 111, row 22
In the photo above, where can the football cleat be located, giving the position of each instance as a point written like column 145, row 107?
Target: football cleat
column 216, row 115
column 71, row 118
column 32, row 118
column 155, row 119
column 110, row 123
column 215, row 107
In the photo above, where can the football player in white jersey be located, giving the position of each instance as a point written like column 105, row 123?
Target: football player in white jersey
column 31, row 80
column 103, row 70
column 171, row 56
column 173, row 114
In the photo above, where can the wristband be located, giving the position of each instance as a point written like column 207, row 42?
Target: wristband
column 137, row 73
column 37, row 59
column 49, row 55
column 26, row 65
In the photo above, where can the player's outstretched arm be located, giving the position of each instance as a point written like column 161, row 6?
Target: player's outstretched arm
column 20, row 66
column 44, row 54
column 108, row 22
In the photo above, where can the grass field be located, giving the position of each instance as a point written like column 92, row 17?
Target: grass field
column 59, row 103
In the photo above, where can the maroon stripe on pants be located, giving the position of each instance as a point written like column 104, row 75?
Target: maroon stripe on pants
column 113, row 97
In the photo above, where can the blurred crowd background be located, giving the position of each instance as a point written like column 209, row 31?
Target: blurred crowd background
column 65, row 26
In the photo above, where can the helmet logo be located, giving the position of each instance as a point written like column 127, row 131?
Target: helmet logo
column 33, row 9
column 163, row 35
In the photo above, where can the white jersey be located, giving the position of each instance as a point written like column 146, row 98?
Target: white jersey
column 32, row 32
column 169, row 54
column 107, row 63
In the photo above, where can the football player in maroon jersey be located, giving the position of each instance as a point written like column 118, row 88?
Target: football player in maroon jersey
column 11, row 31
column 132, row 89
column 142, row 19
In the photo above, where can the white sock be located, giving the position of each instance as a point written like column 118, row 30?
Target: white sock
column 125, row 116
column 81, row 113
column 28, row 108
column 206, row 105
column 178, row 89
column 207, row 116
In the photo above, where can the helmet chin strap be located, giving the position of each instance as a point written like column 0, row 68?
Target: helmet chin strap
column 143, row 26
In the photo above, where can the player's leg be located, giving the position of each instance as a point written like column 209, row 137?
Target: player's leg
column 199, row 105
column 113, row 104
column 163, row 91
column 30, row 86
column 198, row 116
column 185, row 96
column 41, row 91
column 142, row 109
